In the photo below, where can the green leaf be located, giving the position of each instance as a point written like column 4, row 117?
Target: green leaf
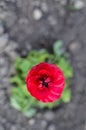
column 17, row 62
column 66, row 68
column 58, row 48
column 31, row 112
column 66, row 96
column 15, row 104
column 50, row 105
column 16, row 80
column 70, row 7
column 25, row 65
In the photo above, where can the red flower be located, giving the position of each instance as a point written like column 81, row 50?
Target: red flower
column 45, row 82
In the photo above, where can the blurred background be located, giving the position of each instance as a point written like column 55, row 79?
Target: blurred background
column 35, row 24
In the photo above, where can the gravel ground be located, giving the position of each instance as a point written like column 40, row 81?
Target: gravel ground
column 36, row 24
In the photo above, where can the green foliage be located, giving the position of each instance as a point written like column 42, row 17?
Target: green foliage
column 20, row 98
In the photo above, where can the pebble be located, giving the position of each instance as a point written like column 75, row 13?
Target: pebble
column 28, row 46
column 8, row 125
column 31, row 122
column 1, row 28
column 51, row 127
column 11, row 1
column 3, row 42
column 38, row 115
column 2, row 97
column 2, row 61
column 10, row 19
column 74, row 46
column 17, row 127
column 23, row 53
column 52, row 21
column 79, row 4
column 43, row 123
column 23, row 20
column 3, row 14
column 37, row 14
column 4, row 71
column 1, row 128
column 1, row 94
column 5, row 81
column 44, row 7
column 12, row 70
column 10, row 50
column 12, row 55
column 36, row 3
column 11, row 46
column 63, row 2
column 85, row 126
column 3, row 120
column 13, row 127
column 49, row 115
column 2, row 4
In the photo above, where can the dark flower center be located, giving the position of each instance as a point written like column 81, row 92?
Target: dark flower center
column 44, row 83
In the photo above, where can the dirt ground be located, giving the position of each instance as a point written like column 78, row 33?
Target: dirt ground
column 34, row 24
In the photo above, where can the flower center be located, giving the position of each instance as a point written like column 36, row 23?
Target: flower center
column 45, row 81
column 45, row 84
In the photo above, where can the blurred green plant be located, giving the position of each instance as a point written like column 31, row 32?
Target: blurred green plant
column 20, row 98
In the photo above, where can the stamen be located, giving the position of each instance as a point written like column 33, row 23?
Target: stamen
column 45, row 84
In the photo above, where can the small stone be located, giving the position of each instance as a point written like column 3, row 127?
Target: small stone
column 1, row 128
column 1, row 94
column 49, row 115
column 85, row 126
column 36, row 3
column 44, row 7
column 52, row 20
column 3, row 14
column 63, row 2
column 74, row 46
column 24, row 53
column 3, row 120
column 43, row 123
column 78, row 4
column 13, row 55
column 3, row 42
column 2, row 61
column 13, row 128
column 11, row 46
column 38, row 115
column 5, row 80
column 12, row 71
column 23, row 21
column 62, row 12
column 10, row 19
column 10, row 50
column 16, row 127
column 2, row 4
column 2, row 97
column 1, row 28
column 37, row 14
column 11, row 1
column 28, row 46
column 31, row 122
column 51, row 127
column 4, row 71
column 8, row 125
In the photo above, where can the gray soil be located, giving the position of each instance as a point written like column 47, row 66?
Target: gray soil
column 34, row 24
